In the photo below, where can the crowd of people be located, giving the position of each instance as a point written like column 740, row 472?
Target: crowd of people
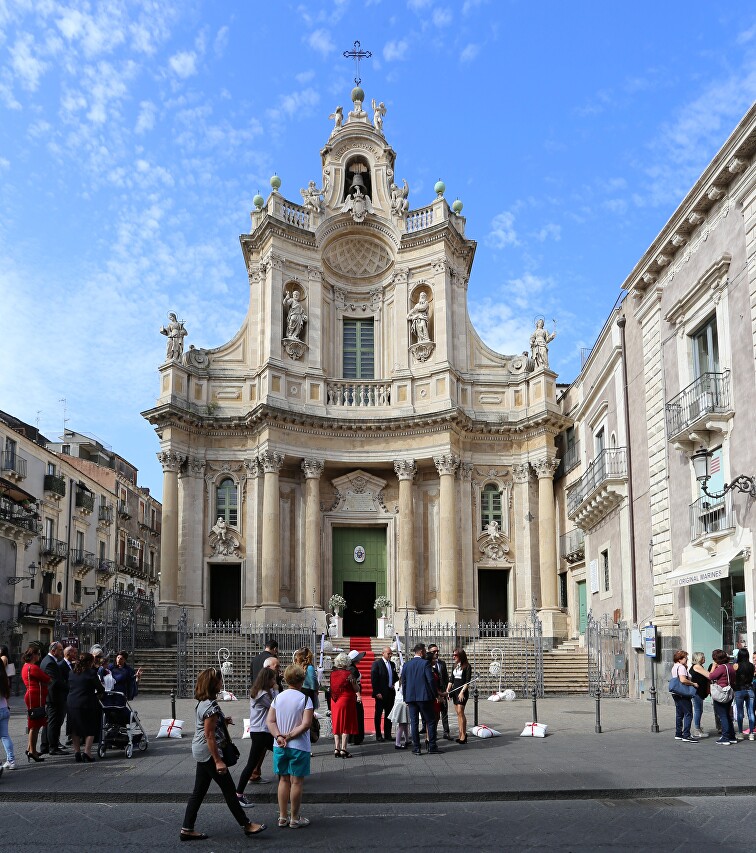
column 730, row 686
column 63, row 686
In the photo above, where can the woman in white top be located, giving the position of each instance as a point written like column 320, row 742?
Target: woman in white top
column 289, row 721
column 683, row 704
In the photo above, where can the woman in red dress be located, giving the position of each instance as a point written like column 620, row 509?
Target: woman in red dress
column 36, row 682
column 343, row 705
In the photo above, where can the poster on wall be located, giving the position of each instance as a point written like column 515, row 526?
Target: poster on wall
column 594, row 577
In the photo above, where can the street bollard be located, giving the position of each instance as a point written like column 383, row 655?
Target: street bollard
column 475, row 705
column 535, row 705
column 598, row 709
column 654, row 719
column 173, row 704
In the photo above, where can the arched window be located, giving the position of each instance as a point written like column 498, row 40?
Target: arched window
column 226, row 502
column 490, row 506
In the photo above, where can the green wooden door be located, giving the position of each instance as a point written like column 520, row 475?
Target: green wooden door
column 348, row 570
column 582, row 607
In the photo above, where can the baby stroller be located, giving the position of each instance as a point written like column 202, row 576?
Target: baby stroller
column 121, row 727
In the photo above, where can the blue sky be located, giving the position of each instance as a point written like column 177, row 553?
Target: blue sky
column 133, row 136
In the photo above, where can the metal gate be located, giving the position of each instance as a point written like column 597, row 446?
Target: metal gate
column 118, row 620
column 231, row 647
column 608, row 645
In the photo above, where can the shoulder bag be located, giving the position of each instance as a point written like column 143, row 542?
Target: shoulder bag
column 37, row 713
column 676, row 686
column 314, row 725
column 228, row 748
column 720, row 694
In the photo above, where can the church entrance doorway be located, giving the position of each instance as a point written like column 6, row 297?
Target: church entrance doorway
column 225, row 592
column 493, row 600
column 359, row 574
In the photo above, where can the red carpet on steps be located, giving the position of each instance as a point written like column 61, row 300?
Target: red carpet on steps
column 362, row 644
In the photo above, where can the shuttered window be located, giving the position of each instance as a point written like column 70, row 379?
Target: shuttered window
column 359, row 349
column 490, row 506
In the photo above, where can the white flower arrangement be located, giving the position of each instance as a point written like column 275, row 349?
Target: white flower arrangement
column 382, row 603
column 337, row 603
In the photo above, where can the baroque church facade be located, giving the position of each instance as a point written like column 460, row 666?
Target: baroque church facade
column 356, row 436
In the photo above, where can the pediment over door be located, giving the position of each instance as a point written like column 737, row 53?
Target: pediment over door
column 359, row 492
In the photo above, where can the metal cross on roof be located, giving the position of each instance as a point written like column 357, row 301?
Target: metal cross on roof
column 357, row 54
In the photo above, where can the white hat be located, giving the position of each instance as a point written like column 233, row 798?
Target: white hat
column 356, row 656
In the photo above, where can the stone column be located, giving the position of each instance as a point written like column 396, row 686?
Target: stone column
column 171, row 462
column 405, row 471
column 251, row 528
column 313, row 469
column 446, row 466
column 271, row 463
column 467, row 534
column 193, row 526
column 544, row 469
column 526, row 580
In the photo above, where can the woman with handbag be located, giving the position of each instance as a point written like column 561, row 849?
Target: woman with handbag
column 214, row 752
column 303, row 658
column 678, row 683
column 722, row 679
column 84, row 712
column 343, row 705
column 700, row 675
column 264, row 691
column 36, row 681
column 744, row 671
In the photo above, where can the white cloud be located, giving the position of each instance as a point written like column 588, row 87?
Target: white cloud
column 294, row 103
column 502, row 231
column 184, row 63
column 469, row 5
column 469, row 53
column 395, row 50
column 418, row 5
column 746, row 35
column 442, row 16
column 550, row 231
column 321, row 42
column 221, row 42
column 146, row 118
column 304, row 76
column 28, row 67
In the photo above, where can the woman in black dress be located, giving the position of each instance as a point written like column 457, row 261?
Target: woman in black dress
column 461, row 675
column 84, row 713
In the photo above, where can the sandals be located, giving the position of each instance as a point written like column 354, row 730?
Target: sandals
column 282, row 822
column 193, row 836
column 344, row 754
column 299, row 822
column 261, row 827
column 337, row 753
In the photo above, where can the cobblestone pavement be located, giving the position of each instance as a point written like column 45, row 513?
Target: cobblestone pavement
column 573, row 762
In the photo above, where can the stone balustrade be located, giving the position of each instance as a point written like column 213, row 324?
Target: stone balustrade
column 359, row 394
column 419, row 219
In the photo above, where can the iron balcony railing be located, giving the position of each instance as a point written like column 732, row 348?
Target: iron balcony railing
column 80, row 557
column 11, row 461
column 106, row 566
column 132, row 562
column 54, row 548
column 708, row 394
column 711, row 515
column 610, row 464
column 105, row 514
column 570, row 459
column 572, row 545
column 19, row 517
column 85, row 500
column 123, row 509
column 55, row 484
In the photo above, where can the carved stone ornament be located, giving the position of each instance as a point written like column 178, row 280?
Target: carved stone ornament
column 313, row 468
column 224, row 540
column 493, row 543
column 737, row 165
column 649, row 278
column 521, row 472
column 357, row 257
column 405, row 469
column 466, row 471
column 196, row 466
column 252, row 466
column 422, row 350
column 447, row 463
column 521, row 364
column 294, row 348
column 696, row 218
column 196, row 357
column 358, row 204
column 545, row 468
column 358, row 492
column 271, row 461
column 171, row 461
column 714, row 193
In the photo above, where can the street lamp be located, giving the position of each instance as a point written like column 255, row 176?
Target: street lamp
column 32, row 569
column 742, row 483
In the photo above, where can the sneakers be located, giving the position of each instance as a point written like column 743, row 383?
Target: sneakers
column 733, row 741
column 746, row 731
column 678, row 737
column 690, row 740
column 751, row 737
column 699, row 733
column 723, row 742
column 244, row 801
column 9, row 765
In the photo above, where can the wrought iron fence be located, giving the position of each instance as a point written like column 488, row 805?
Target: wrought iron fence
column 503, row 655
column 118, row 620
column 608, row 646
column 200, row 646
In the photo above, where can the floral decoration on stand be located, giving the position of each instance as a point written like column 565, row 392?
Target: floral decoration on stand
column 383, row 604
column 337, row 603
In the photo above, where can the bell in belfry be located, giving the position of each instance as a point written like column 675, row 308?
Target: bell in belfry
column 357, row 181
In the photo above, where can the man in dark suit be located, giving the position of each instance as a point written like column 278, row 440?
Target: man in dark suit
column 70, row 656
column 443, row 680
column 56, row 701
column 383, row 677
column 419, row 692
column 258, row 661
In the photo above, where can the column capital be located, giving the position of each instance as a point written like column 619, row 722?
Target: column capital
column 271, row 461
column 170, row 460
column 545, row 467
column 465, row 471
column 195, row 466
column 447, row 463
column 252, row 466
column 521, row 472
column 313, row 468
column 405, row 469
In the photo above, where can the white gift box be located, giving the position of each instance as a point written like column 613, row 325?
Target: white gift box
column 534, row 730
column 170, row 728
column 246, row 733
column 484, row 732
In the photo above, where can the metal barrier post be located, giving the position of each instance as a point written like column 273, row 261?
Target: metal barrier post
column 654, row 720
column 475, row 705
column 173, row 704
column 535, row 704
column 598, row 709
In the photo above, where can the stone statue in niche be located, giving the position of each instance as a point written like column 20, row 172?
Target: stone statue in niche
column 379, row 111
column 220, row 529
column 492, row 542
column 539, row 344
column 196, row 357
column 399, row 196
column 419, row 317
column 337, row 117
column 358, row 204
column 295, row 314
column 311, row 198
column 175, row 332
column 223, row 540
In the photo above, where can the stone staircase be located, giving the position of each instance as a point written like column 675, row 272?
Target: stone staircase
column 565, row 670
column 158, row 669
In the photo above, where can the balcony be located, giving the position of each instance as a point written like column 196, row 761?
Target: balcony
column 123, row 510
column 105, row 514
column 570, row 459
column 132, row 563
column 13, row 465
column 107, row 567
column 85, row 501
column 351, row 394
column 572, row 546
column 83, row 562
column 53, row 550
column 705, row 405
column 600, row 489
column 55, row 485
column 711, row 518
column 51, row 600
column 17, row 523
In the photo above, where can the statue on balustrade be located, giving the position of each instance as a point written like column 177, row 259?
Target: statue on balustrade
column 379, row 111
column 419, row 317
column 399, row 202
column 539, row 344
column 295, row 316
column 175, row 332
column 337, row 116
column 311, row 198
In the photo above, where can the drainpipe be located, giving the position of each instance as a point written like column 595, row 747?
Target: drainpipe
column 621, row 321
column 71, row 499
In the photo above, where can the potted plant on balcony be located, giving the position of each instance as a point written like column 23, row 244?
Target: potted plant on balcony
column 336, row 604
column 383, row 605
